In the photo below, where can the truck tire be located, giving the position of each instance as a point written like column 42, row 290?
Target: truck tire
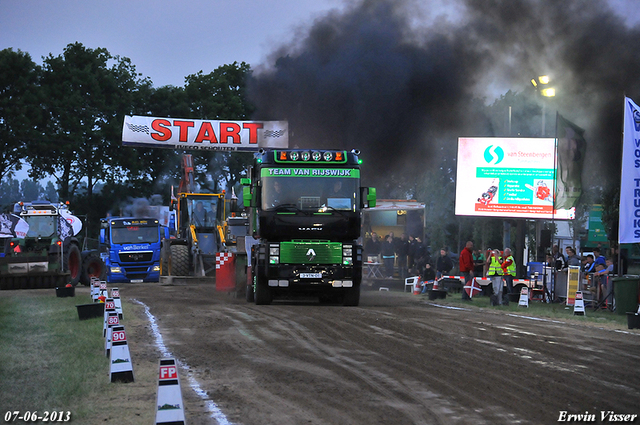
column 262, row 293
column 93, row 266
column 352, row 296
column 180, row 260
column 73, row 263
column 249, row 294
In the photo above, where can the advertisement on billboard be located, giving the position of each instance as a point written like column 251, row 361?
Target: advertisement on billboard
column 507, row 177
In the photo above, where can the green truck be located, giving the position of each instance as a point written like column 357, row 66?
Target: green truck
column 305, row 216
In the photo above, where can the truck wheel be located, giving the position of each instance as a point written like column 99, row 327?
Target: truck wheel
column 352, row 296
column 262, row 293
column 249, row 294
column 73, row 263
column 93, row 266
column 180, row 260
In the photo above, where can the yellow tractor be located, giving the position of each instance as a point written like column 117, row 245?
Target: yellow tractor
column 200, row 229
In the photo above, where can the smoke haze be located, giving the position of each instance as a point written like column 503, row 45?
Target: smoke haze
column 401, row 81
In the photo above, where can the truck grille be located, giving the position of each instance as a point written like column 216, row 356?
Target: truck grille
column 135, row 256
column 310, row 253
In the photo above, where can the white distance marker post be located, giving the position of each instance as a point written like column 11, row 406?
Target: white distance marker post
column 170, row 408
column 120, row 359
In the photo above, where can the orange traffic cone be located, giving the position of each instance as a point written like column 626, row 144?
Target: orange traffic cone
column 417, row 288
column 435, row 285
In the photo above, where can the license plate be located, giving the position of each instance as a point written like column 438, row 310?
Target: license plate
column 137, row 280
column 310, row 275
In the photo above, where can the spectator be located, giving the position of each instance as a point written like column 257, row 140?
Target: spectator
column 572, row 258
column 373, row 245
column 421, row 256
column 388, row 256
column 443, row 263
column 599, row 258
column 427, row 276
column 494, row 273
column 589, row 266
column 508, row 266
column 466, row 267
column 478, row 263
column 402, row 250
column 601, row 278
column 411, row 252
column 558, row 257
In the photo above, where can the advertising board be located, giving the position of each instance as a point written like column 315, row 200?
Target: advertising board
column 507, row 177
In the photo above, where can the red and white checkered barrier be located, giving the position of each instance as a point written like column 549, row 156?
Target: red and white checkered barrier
column 223, row 258
column 225, row 271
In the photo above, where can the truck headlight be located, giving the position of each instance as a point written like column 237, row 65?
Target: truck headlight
column 116, row 270
column 347, row 255
column 274, row 254
column 156, row 268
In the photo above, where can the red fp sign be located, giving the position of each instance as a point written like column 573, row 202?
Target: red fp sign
column 168, row 372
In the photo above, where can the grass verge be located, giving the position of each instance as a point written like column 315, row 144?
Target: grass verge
column 51, row 361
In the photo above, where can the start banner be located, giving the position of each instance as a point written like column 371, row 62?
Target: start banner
column 223, row 135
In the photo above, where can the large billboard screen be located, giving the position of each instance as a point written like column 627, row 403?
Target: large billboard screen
column 507, row 177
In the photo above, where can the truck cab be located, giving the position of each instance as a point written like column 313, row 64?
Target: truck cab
column 130, row 248
column 305, row 212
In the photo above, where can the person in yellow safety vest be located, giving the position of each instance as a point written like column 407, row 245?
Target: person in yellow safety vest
column 495, row 275
column 508, row 269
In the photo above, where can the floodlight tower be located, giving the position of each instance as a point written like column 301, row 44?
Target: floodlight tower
column 541, row 85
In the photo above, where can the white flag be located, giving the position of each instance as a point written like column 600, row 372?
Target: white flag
column 629, row 229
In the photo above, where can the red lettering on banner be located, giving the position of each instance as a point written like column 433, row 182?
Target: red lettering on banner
column 184, row 129
column 229, row 129
column 168, row 372
column 206, row 133
column 160, row 127
column 253, row 131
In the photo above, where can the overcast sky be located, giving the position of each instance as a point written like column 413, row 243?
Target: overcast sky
column 165, row 39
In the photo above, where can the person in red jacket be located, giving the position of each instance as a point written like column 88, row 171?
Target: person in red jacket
column 466, row 267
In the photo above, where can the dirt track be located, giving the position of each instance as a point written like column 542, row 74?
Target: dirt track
column 396, row 359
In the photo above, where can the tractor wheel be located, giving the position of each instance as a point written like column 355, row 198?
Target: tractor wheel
column 180, row 260
column 164, row 260
column 93, row 266
column 73, row 263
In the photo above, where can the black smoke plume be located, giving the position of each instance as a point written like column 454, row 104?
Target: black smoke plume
column 401, row 81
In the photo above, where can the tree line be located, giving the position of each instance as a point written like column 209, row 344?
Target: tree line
column 64, row 120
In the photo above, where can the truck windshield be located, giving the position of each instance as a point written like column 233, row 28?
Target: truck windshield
column 41, row 225
column 309, row 193
column 134, row 234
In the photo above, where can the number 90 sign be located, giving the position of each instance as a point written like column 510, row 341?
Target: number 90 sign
column 118, row 336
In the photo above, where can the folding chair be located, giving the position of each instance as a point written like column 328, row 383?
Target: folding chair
column 411, row 281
